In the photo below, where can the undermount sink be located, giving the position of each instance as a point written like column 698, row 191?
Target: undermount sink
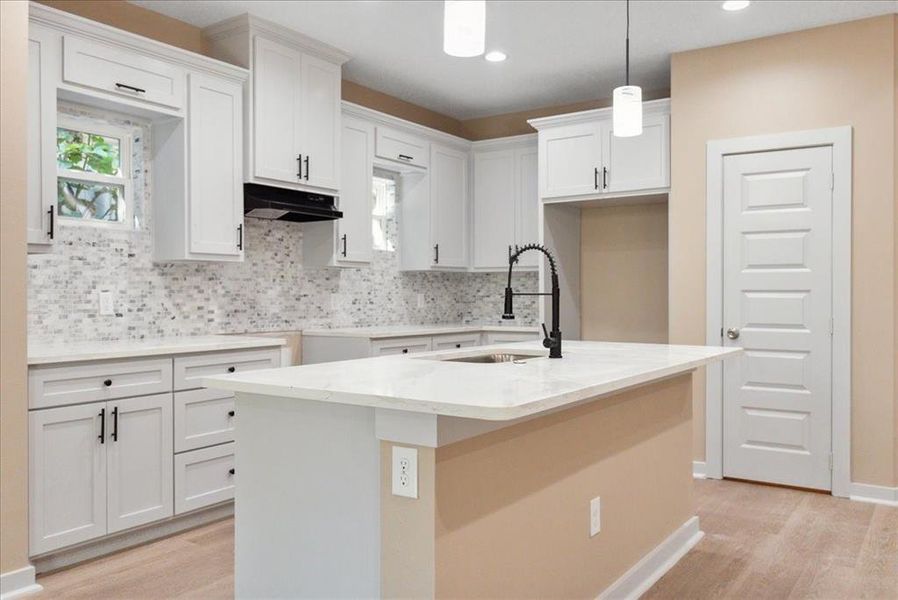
column 493, row 357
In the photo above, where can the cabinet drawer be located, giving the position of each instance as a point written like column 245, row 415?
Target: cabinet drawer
column 450, row 341
column 89, row 382
column 121, row 72
column 501, row 337
column 189, row 370
column 402, row 148
column 204, row 477
column 203, row 418
column 408, row 345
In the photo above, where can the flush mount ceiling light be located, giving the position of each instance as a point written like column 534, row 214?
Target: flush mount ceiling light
column 734, row 5
column 464, row 27
column 495, row 56
column 626, row 114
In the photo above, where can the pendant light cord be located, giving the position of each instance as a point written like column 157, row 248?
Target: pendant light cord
column 628, row 43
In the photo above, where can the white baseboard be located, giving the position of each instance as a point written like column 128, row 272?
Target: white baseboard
column 644, row 574
column 699, row 469
column 18, row 583
column 878, row 494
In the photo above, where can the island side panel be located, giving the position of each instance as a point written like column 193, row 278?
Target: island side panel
column 512, row 506
column 307, row 506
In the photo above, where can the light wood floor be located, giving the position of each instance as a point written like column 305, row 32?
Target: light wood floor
column 760, row 542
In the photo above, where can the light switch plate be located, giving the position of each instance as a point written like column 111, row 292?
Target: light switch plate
column 405, row 472
column 595, row 516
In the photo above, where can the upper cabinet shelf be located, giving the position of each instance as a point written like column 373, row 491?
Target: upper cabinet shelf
column 293, row 110
column 581, row 159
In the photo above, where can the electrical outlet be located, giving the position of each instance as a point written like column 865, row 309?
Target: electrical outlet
column 405, row 472
column 420, row 300
column 107, row 303
column 335, row 301
column 595, row 516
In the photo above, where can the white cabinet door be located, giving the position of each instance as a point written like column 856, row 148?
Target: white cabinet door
column 637, row 163
column 140, row 475
column 43, row 65
column 527, row 207
column 494, row 208
column 402, row 148
column 203, row 418
column 319, row 141
column 204, row 477
column 448, row 206
column 216, row 166
column 354, row 242
column 277, row 111
column 67, row 476
column 570, row 160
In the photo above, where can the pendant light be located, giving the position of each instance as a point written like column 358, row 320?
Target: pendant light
column 464, row 27
column 627, row 111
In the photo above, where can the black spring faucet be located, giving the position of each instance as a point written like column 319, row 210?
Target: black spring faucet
column 552, row 340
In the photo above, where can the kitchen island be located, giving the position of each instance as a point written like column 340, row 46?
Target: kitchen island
column 497, row 465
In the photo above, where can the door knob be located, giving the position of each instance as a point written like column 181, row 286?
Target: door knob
column 733, row 333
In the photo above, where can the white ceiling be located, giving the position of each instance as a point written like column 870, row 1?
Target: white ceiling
column 558, row 51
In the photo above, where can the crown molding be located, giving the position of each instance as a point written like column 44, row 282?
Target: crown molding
column 379, row 118
column 509, row 142
column 651, row 107
column 68, row 23
column 247, row 25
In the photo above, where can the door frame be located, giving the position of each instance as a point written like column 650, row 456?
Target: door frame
column 840, row 140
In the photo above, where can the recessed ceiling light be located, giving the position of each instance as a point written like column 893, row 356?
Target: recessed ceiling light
column 734, row 5
column 495, row 56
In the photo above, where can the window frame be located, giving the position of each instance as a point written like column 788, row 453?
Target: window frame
column 396, row 179
column 124, row 137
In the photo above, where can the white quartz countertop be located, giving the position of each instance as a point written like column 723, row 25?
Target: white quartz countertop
column 497, row 391
column 391, row 331
column 42, row 354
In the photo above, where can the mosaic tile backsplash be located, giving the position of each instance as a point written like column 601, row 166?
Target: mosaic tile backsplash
column 269, row 291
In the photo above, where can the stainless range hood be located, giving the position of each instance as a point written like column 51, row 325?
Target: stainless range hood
column 268, row 202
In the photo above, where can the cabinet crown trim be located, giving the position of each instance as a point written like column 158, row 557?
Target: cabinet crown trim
column 247, row 24
column 68, row 23
column 376, row 117
column 661, row 106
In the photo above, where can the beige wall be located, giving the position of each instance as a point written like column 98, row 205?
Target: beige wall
column 826, row 77
column 13, row 399
column 623, row 273
column 353, row 92
column 512, row 506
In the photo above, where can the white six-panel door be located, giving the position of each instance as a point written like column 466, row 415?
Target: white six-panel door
column 777, row 305
column 139, row 461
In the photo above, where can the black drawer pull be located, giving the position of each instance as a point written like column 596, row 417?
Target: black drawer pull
column 231, row 471
column 231, row 413
column 458, row 345
column 107, row 383
column 406, row 157
column 231, row 369
column 136, row 90
column 405, row 350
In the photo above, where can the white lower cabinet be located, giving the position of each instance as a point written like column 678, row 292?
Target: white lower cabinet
column 409, row 345
column 138, row 458
column 203, row 418
column 204, row 477
column 454, row 340
column 508, row 337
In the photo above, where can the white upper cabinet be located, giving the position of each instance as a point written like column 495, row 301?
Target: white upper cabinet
column 215, row 144
column 347, row 241
column 402, row 148
column 580, row 159
column 505, row 203
column 640, row 162
column 448, row 206
column 295, row 109
column 43, row 66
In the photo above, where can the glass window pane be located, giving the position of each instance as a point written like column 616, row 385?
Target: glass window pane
column 88, row 152
column 89, row 200
column 383, row 213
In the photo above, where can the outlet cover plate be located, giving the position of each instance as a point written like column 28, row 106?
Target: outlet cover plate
column 405, row 472
column 595, row 516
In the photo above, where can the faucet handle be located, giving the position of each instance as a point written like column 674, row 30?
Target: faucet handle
column 545, row 331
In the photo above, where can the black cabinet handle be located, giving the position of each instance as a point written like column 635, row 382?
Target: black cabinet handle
column 299, row 166
column 231, row 413
column 136, row 90
column 436, row 254
column 604, row 178
column 102, row 425
column 458, row 345
column 406, row 157
column 231, row 369
column 231, row 471
column 240, row 237
column 595, row 178
column 307, row 167
column 344, row 245
column 52, row 213
column 405, row 350
column 115, row 424
column 107, row 383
